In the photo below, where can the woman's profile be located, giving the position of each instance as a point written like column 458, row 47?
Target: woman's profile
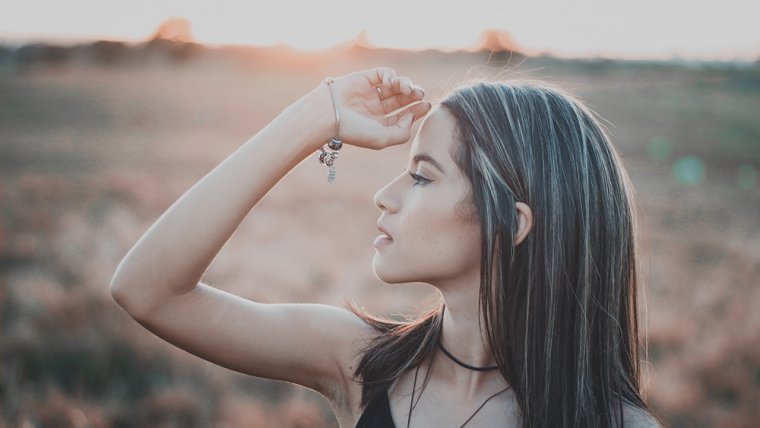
column 514, row 205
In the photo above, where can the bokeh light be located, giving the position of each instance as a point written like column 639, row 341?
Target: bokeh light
column 746, row 176
column 688, row 170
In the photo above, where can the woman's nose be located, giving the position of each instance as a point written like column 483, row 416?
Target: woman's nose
column 383, row 198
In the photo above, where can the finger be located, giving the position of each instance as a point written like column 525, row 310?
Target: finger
column 395, row 102
column 420, row 109
column 399, row 126
column 388, row 77
column 400, row 131
column 380, row 75
column 415, row 111
column 398, row 99
column 403, row 85
column 417, row 92
column 384, row 92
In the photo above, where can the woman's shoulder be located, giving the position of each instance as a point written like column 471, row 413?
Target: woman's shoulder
column 635, row 417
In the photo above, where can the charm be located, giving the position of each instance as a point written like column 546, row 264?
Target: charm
column 335, row 144
column 331, row 175
column 328, row 159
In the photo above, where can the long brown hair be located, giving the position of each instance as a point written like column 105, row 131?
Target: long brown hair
column 560, row 309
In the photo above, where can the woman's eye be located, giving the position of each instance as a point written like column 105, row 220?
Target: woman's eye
column 418, row 179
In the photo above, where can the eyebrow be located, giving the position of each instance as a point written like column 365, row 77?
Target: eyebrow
column 424, row 157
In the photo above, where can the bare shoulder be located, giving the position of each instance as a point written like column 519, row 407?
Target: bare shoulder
column 332, row 320
column 634, row 417
column 330, row 330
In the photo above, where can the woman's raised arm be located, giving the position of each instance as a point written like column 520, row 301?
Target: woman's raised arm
column 158, row 281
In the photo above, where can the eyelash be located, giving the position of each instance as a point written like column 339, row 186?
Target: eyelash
column 418, row 179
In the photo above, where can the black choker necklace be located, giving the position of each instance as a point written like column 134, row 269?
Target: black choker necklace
column 467, row 366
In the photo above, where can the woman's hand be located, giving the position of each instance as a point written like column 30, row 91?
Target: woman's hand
column 377, row 107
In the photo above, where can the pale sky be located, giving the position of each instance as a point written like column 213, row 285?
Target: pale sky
column 642, row 29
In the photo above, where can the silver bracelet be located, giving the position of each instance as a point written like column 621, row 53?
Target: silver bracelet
column 328, row 157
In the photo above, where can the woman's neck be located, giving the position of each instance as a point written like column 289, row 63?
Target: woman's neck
column 464, row 337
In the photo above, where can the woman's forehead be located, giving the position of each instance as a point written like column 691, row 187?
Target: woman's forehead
column 435, row 137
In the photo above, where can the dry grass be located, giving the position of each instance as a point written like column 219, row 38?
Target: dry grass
column 91, row 154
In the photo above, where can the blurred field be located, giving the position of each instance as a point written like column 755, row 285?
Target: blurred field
column 94, row 147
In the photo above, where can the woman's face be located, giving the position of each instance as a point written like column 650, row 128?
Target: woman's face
column 435, row 236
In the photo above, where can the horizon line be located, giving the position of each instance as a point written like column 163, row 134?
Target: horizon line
column 71, row 41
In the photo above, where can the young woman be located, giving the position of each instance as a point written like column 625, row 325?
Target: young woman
column 515, row 206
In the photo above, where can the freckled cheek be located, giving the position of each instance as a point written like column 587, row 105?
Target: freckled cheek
column 434, row 238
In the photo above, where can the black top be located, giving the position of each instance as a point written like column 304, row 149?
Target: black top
column 377, row 414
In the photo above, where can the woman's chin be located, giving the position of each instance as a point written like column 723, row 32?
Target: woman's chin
column 383, row 273
column 379, row 273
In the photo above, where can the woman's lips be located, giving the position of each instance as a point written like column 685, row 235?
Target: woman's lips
column 384, row 239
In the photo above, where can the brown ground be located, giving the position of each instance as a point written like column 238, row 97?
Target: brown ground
column 91, row 154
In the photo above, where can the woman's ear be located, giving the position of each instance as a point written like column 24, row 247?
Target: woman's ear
column 524, row 222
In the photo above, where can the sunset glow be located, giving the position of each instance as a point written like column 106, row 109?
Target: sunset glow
column 581, row 28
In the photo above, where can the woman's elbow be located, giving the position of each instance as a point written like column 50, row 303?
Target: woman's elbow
column 126, row 292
